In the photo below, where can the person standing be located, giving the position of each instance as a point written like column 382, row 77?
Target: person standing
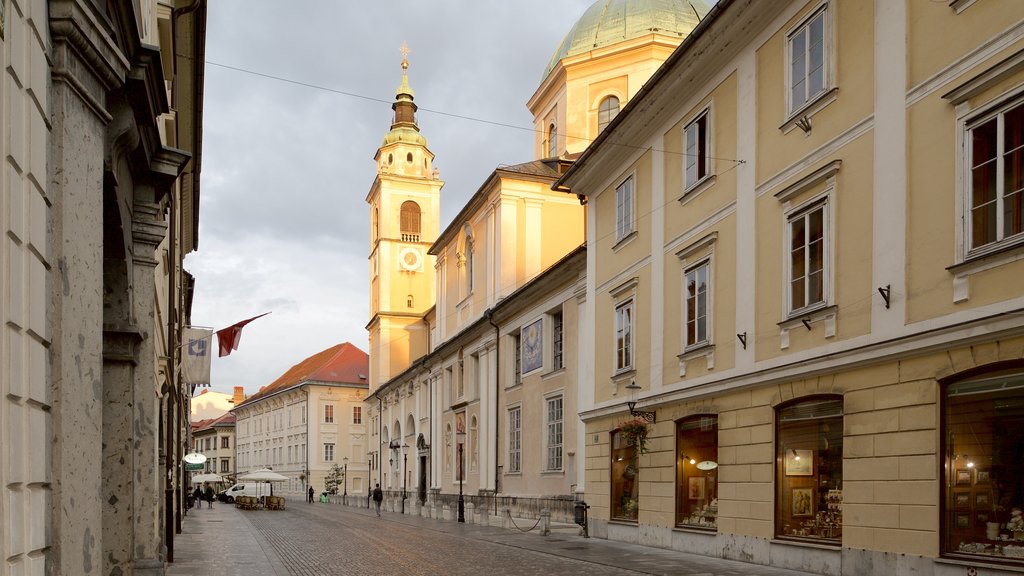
column 209, row 495
column 378, row 497
column 197, row 497
column 309, row 495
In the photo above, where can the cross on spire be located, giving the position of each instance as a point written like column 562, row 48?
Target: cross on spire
column 405, row 56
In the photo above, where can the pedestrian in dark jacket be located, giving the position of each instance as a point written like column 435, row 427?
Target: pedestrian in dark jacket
column 197, row 497
column 309, row 495
column 378, row 497
column 209, row 496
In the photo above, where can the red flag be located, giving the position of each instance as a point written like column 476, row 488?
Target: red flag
column 228, row 338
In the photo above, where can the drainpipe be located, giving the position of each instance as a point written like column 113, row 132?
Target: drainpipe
column 489, row 314
column 380, row 431
column 308, row 444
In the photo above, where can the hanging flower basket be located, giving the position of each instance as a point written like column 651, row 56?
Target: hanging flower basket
column 634, row 432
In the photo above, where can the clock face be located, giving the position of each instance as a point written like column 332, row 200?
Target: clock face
column 409, row 259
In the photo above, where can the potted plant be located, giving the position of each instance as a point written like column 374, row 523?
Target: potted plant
column 634, row 433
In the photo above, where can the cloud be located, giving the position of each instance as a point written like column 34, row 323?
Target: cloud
column 286, row 168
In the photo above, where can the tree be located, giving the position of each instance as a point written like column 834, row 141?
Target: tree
column 334, row 478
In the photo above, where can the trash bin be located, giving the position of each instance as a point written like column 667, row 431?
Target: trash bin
column 323, row 497
column 580, row 513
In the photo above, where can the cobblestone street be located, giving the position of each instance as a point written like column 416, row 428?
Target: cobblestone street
column 319, row 540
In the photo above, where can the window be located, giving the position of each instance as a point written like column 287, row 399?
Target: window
column 624, row 209
column 625, row 487
column 225, row 442
column 608, row 109
column 807, row 61
column 996, row 197
column 556, row 341
column 554, row 418
column 328, row 452
column 697, row 304
column 697, row 472
column 982, row 489
column 467, row 260
column 696, row 142
column 552, row 141
column 329, row 413
column 624, row 336
column 809, row 461
column 514, row 439
column 357, row 414
column 208, row 443
column 410, row 221
column 807, row 252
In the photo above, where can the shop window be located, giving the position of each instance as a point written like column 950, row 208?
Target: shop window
column 983, row 480
column 809, row 463
column 697, row 472
column 625, row 484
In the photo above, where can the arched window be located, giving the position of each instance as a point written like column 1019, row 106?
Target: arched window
column 607, row 110
column 697, row 472
column 410, row 224
column 467, row 260
column 809, row 460
column 552, row 141
column 474, row 444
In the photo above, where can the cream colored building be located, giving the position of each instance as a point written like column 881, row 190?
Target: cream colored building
column 307, row 421
column 215, row 439
column 99, row 192
column 475, row 378
column 815, row 285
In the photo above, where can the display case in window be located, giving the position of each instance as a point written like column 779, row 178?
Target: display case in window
column 809, row 470
column 697, row 472
column 625, row 483
column 983, row 478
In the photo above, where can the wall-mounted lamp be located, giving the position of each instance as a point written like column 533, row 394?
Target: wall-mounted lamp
column 691, row 460
column 796, row 456
column 631, row 404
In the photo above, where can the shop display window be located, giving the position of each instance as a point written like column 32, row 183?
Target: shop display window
column 697, row 472
column 809, row 469
column 983, row 471
column 625, row 484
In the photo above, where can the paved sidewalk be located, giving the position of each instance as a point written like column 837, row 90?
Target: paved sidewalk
column 311, row 539
column 220, row 541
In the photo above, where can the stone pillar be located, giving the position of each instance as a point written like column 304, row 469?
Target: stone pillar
column 84, row 65
column 470, row 507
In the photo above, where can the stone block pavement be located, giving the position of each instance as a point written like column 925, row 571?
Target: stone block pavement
column 326, row 539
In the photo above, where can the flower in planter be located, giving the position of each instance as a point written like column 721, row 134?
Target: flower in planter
column 634, row 432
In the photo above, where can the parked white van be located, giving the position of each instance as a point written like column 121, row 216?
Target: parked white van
column 244, row 489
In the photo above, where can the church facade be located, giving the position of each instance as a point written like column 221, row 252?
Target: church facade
column 475, row 373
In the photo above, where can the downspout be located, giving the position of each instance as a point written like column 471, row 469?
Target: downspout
column 380, row 431
column 489, row 314
column 309, row 443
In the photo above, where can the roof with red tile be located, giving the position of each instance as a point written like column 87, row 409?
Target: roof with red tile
column 221, row 421
column 339, row 364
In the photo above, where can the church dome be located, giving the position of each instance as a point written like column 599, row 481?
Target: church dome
column 608, row 22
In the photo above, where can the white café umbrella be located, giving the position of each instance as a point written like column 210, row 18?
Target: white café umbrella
column 201, row 478
column 264, row 475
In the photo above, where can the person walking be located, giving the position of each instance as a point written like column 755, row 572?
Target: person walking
column 197, row 497
column 309, row 495
column 378, row 497
column 209, row 495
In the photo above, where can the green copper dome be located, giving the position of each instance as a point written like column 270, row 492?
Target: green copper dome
column 608, row 22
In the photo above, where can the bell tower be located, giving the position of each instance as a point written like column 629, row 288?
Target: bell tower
column 405, row 211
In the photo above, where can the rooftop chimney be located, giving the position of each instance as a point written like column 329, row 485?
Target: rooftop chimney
column 239, row 396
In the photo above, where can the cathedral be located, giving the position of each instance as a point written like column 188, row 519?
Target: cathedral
column 475, row 373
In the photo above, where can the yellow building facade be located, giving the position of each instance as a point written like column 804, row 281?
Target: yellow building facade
column 805, row 266
column 475, row 376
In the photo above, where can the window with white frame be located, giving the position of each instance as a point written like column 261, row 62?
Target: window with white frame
column 624, row 336
column 467, row 259
column 808, row 60
column 995, row 195
column 556, row 341
column 696, row 309
column 517, row 371
column 515, row 439
column 608, row 109
column 328, row 452
column 357, row 414
column 808, row 250
column 554, row 439
column 329, row 413
column 624, row 224
column 696, row 142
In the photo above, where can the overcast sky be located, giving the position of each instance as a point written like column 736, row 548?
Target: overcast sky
column 284, row 226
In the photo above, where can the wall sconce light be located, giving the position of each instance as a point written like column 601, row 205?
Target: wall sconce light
column 691, row 460
column 796, row 456
column 631, row 404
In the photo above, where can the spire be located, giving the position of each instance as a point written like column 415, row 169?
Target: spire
column 403, row 126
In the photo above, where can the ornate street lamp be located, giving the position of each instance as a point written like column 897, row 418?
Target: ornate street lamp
column 633, row 388
column 344, row 497
column 405, row 473
column 462, row 476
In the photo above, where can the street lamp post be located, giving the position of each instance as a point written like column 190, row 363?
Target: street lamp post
column 344, row 497
column 405, row 473
column 462, row 479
